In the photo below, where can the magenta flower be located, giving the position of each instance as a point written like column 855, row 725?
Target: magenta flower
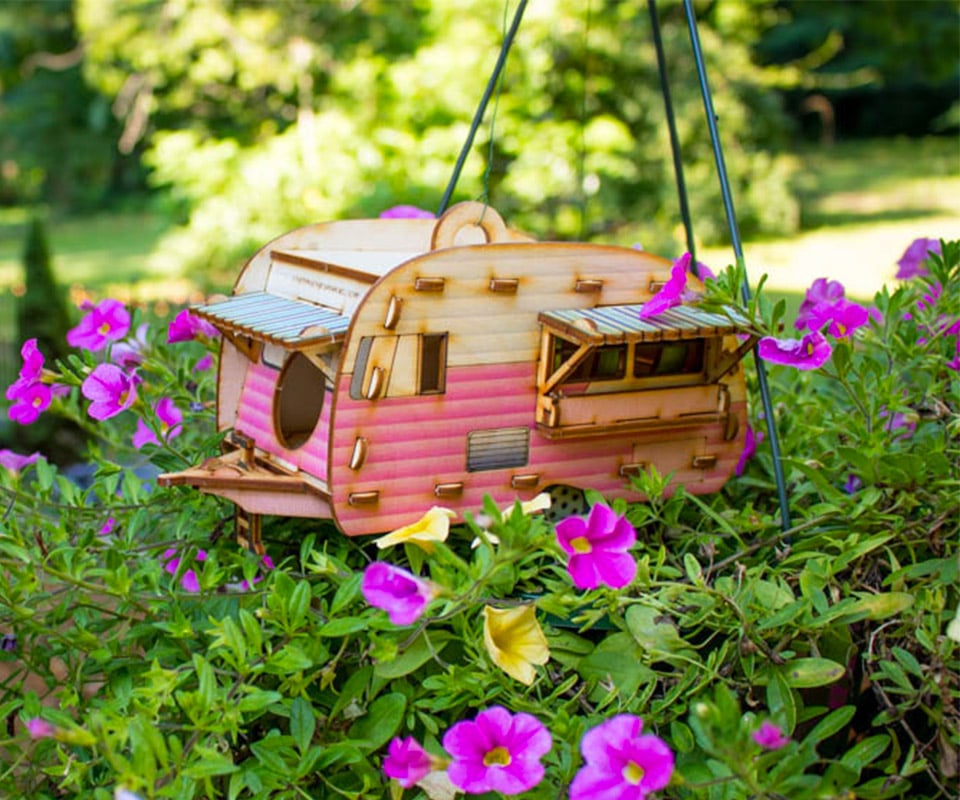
column 30, row 399
column 955, row 363
column 40, row 729
column 911, row 263
column 406, row 762
column 107, row 527
column 620, row 763
column 32, row 361
column 843, row 317
column 750, row 441
column 106, row 322
column 821, row 293
column 810, row 352
column 406, row 212
column 110, row 391
column 185, row 327
column 671, row 293
column 401, row 594
column 204, row 363
column 129, row 353
column 169, row 418
column 497, row 752
column 597, row 546
column 770, row 737
column 899, row 423
column 189, row 580
column 15, row 461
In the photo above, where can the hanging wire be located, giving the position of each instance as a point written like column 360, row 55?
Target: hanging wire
column 482, row 107
column 674, row 138
column 738, row 252
column 582, row 141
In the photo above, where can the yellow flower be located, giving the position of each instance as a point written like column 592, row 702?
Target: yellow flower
column 539, row 503
column 514, row 640
column 434, row 526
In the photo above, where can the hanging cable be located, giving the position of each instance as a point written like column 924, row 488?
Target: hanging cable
column 482, row 107
column 674, row 138
column 738, row 252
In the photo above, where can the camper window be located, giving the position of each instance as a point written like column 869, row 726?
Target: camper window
column 668, row 358
column 605, row 363
column 298, row 401
column 433, row 363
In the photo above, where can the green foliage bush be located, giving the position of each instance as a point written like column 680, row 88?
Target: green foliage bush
column 217, row 676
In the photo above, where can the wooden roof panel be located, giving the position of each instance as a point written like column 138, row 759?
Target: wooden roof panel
column 275, row 319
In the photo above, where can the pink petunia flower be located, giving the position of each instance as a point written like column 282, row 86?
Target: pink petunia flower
column 620, row 762
column 750, row 441
column 597, row 546
column 821, row 293
column 671, row 293
column 955, row 363
column 40, row 729
column 407, row 762
column 204, row 363
column 843, row 317
column 810, row 352
column 189, row 580
column 497, row 752
column 15, row 461
column 32, row 366
column 911, row 263
column 406, row 212
column 129, row 353
column 770, row 737
column 106, row 322
column 30, row 399
column 110, row 390
column 185, row 327
column 169, row 418
column 401, row 594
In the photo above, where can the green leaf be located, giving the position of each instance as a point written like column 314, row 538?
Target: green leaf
column 834, row 722
column 302, row 723
column 382, row 720
column 617, row 660
column 804, row 673
column 297, row 605
column 424, row 647
column 657, row 636
column 866, row 752
column 347, row 592
column 342, row 627
column 876, row 607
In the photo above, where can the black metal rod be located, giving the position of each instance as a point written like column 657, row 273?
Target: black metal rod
column 482, row 107
column 674, row 138
column 764, row 385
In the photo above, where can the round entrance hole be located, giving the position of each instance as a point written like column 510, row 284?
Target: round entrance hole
column 298, row 401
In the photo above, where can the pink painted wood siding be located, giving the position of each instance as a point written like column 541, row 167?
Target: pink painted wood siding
column 417, row 442
column 255, row 419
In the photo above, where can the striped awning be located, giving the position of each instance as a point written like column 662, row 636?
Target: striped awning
column 278, row 320
column 616, row 324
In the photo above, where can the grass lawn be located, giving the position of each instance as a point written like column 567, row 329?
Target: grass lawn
column 862, row 204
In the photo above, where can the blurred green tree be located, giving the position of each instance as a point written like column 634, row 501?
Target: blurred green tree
column 57, row 135
column 42, row 315
column 260, row 117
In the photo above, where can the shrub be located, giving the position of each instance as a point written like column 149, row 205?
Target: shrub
column 712, row 650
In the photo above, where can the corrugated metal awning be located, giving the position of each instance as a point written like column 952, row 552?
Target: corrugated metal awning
column 278, row 320
column 616, row 324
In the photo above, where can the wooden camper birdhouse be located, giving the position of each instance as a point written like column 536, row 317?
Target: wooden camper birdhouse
column 371, row 369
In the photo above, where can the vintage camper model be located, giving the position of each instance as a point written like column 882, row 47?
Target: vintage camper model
column 371, row 369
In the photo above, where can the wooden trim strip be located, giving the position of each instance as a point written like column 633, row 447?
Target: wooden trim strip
column 323, row 266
